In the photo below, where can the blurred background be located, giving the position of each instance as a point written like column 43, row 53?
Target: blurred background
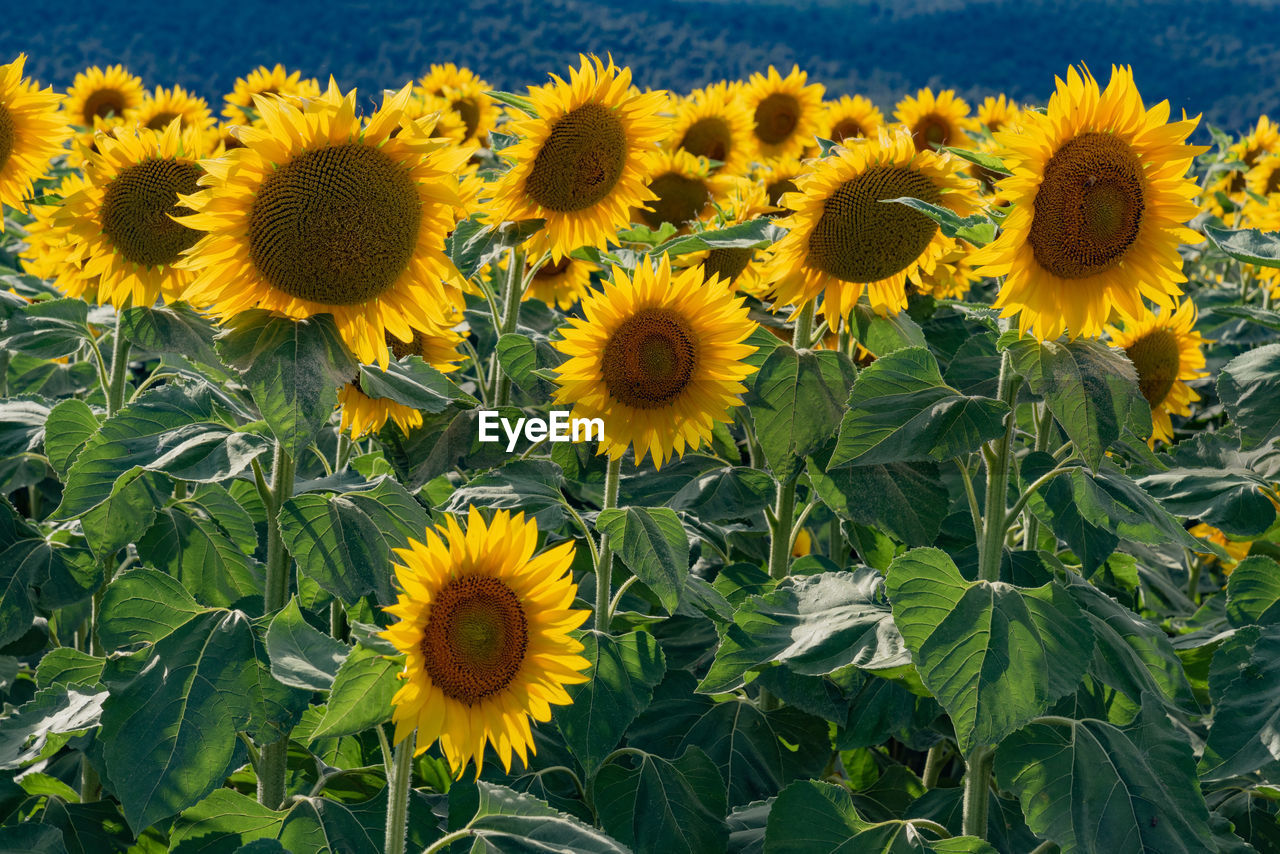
column 1221, row 58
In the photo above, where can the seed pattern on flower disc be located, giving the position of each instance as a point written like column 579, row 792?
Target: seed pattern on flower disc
column 336, row 225
column 776, row 117
column 475, row 638
column 859, row 238
column 709, row 137
column 581, row 160
column 7, row 135
column 1089, row 207
column 680, row 199
column 728, row 264
column 1157, row 360
column 650, row 359
column 137, row 206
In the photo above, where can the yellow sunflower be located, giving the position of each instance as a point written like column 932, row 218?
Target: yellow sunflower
column 685, row 187
column 658, row 358
column 953, row 276
column 934, row 120
column 843, row 238
column 714, row 123
column 161, row 107
column 582, row 162
column 239, row 108
column 119, row 235
column 448, row 123
column 484, row 625
column 1165, row 350
column 741, row 268
column 45, row 250
column 107, row 94
column 1264, row 178
column 779, row 177
column 362, row 414
column 560, row 283
column 786, row 111
column 464, row 92
column 1098, row 199
column 996, row 112
column 850, row 117
column 320, row 213
column 1236, row 550
column 32, row 131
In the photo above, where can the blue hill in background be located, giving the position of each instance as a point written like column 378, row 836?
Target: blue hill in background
column 1221, row 59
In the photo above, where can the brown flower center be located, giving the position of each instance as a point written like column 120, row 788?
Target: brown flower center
column 708, row 137
column 728, row 264
column 469, row 111
column 680, row 199
column 8, row 135
column 932, row 130
column 101, row 104
column 581, row 160
column 847, row 129
column 1156, row 358
column 650, row 359
column 136, row 210
column 776, row 118
column 475, row 639
column 777, row 188
column 160, row 121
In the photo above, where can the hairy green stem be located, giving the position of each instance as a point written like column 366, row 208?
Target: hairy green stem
column 271, row 767
column 1044, row 427
column 512, row 295
column 604, row 566
column 398, row 796
column 977, row 792
column 933, row 762
column 780, row 544
column 119, row 369
column 804, row 327
column 998, row 462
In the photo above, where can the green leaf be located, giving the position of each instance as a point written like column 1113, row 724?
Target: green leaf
column 1098, row 789
column 813, row 624
column 412, row 382
column 652, row 543
column 67, row 666
column 22, row 424
column 522, row 104
column 1250, row 245
column 529, row 486
column 292, row 369
column 884, row 335
column 907, row 500
column 976, row 229
column 994, row 655
column 29, row 837
column 344, row 541
column 174, row 328
column 624, row 671
column 901, row 410
column 1111, row 499
column 1249, row 387
column 301, row 656
column 1091, row 389
column 987, row 161
column 664, row 807
column 1212, row 480
column 526, row 360
column 48, row 329
column 755, row 234
column 1244, row 684
column 506, row 821
column 144, row 606
column 473, row 244
column 724, row 494
column 70, row 426
column 796, row 402
column 189, row 543
column 1253, row 592
column 57, row 709
column 361, row 694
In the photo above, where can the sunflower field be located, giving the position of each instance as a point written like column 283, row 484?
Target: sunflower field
column 600, row 469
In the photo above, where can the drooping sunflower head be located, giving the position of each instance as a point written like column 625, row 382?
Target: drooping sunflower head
column 658, row 358
column 32, row 132
column 107, row 94
column 484, row 624
column 363, row 414
column 1099, row 197
column 941, row 119
column 161, row 107
column 785, row 110
column 996, row 113
column 685, row 187
column 583, row 160
column 119, row 229
column 1166, row 352
column 321, row 213
column 238, row 103
column 714, row 123
column 850, row 117
column 845, row 236
column 464, row 93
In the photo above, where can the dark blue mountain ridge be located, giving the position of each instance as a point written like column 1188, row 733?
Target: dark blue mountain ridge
column 1221, row 59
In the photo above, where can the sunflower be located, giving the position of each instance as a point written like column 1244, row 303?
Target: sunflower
column 449, row 124
column 161, row 107
column 1264, row 139
column 714, row 123
column 952, row 276
column 996, row 112
column 1236, row 550
column 582, row 162
column 786, row 111
column 560, row 283
column 108, row 95
column 1099, row 198
column 32, row 132
column 779, row 177
column 745, row 201
column 850, row 117
column 484, row 625
column 464, row 92
column 322, row 214
column 934, row 120
column 1165, row 351
column 685, row 187
column 45, row 251
column 239, row 108
column 658, row 358
column 843, row 238
column 362, row 414
column 1264, row 178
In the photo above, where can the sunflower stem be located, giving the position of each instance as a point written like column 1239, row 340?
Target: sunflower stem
column 977, row 791
column 271, row 768
column 512, row 295
column 780, row 545
column 604, row 567
column 933, row 762
column 998, row 479
column 1044, row 426
column 398, row 796
column 119, row 369
column 804, row 327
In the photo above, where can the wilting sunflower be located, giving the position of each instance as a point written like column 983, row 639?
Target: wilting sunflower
column 582, row 162
column 714, row 123
column 685, row 188
column 363, row 414
column 844, row 237
column 996, row 112
column 1099, row 198
column 850, row 117
column 658, row 358
column 739, row 267
column 321, row 213
column 119, row 235
column 106, row 94
column 239, row 108
column 785, row 110
column 464, row 92
column 162, row 106
column 1236, row 550
column 779, row 177
column 32, row 132
column 484, row 625
column 934, row 120
column 1165, row 350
